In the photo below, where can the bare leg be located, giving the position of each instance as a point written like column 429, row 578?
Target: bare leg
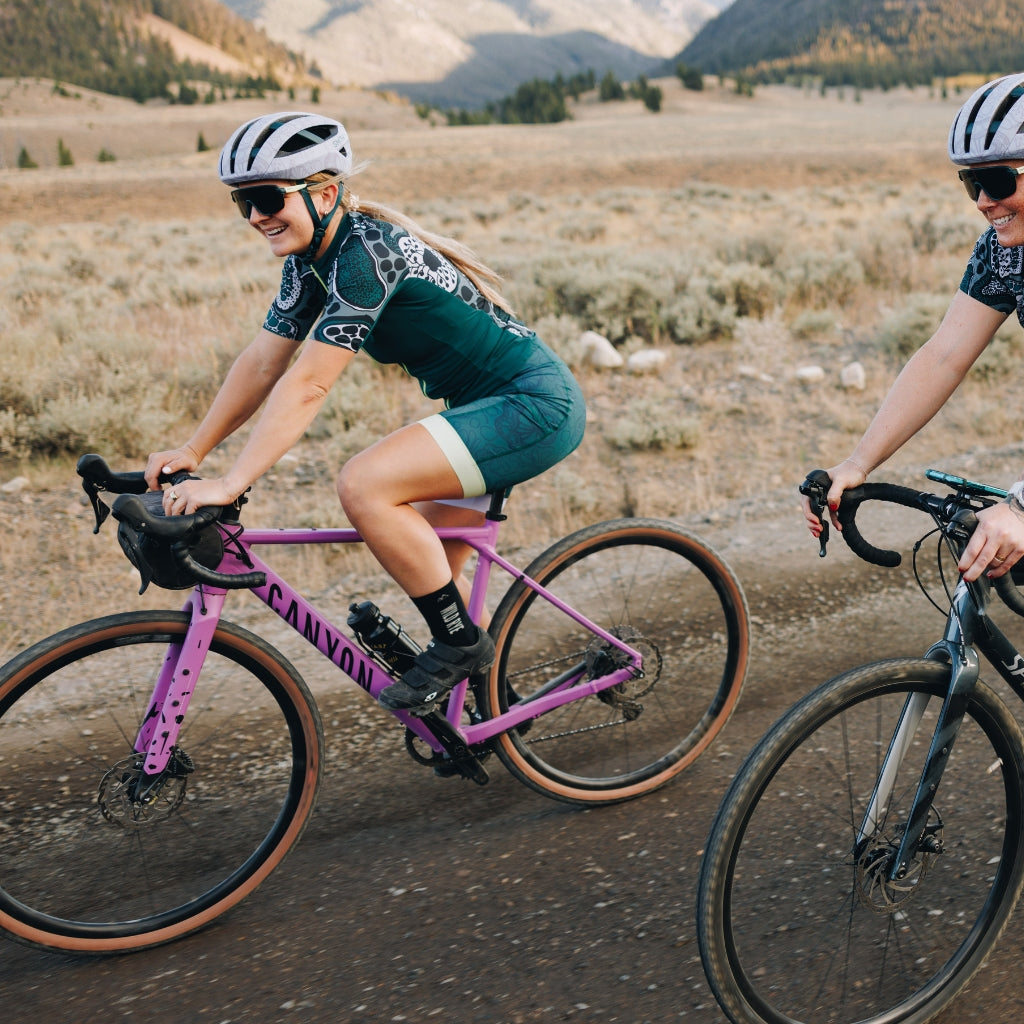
column 377, row 488
column 456, row 552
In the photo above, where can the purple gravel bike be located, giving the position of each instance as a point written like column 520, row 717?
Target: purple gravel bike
column 156, row 766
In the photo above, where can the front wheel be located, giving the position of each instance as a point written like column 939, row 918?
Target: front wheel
column 798, row 919
column 663, row 592
column 96, row 858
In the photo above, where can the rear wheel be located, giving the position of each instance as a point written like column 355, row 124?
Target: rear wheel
column 798, row 920
column 666, row 594
column 94, row 857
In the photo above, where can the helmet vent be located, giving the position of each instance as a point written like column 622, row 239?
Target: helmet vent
column 1004, row 108
column 261, row 139
column 312, row 136
column 972, row 120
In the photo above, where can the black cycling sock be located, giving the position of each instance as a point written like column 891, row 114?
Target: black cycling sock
column 446, row 616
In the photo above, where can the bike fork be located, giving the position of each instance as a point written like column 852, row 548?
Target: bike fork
column 964, row 672
column 172, row 692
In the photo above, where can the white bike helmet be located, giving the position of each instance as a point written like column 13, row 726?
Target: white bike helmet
column 990, row 125
column 286, row 146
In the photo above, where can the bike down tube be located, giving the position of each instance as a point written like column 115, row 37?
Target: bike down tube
column 174, row 687
column 481, row 538
column 1008, row 661
column 318, row 631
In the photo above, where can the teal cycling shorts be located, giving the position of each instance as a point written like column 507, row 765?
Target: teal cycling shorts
column 517, row 433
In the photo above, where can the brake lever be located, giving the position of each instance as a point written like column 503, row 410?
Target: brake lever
column 100, row 509
column 815, row 488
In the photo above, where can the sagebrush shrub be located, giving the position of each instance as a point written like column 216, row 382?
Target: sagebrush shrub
column 911, row 325
column 651, row 424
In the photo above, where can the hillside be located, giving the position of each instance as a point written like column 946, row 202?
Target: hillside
column 137, row 48
column 444, row 54
column 866, row 42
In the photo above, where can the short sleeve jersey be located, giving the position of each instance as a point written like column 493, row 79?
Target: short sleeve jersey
column 403, row 302
column 995, row 275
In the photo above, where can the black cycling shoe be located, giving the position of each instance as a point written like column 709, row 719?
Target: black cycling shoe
column 434, row 672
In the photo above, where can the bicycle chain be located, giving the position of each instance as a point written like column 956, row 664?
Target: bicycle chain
column 545, row 664
column 570, row 732
column 576, row 732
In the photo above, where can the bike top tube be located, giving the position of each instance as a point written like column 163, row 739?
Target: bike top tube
column 477, row 537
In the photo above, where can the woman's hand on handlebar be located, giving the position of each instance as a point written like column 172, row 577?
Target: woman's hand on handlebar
column 996, row 545
column 844, row 476
column 178, row 460
column 189, row 495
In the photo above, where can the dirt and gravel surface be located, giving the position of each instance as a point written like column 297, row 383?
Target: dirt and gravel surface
column 414, row 898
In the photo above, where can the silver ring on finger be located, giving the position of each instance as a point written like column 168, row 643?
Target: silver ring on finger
column 174, row 497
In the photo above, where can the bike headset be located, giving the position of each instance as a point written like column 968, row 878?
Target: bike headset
column 290, row 145
column 990, row 125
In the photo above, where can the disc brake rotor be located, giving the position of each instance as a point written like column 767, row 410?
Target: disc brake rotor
column 882, row 894
column 603, row 658
column 129, row 798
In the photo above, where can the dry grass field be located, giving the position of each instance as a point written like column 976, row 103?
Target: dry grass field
column 744, row 237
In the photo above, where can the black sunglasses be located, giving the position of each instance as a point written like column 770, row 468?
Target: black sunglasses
column 268, row 199
column 996, row 182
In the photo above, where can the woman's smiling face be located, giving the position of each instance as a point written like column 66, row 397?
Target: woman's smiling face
column 1005, row 215
column 289, row 231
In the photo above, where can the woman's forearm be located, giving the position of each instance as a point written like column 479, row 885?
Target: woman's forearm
column 916, row 396
column 248, row 383
column 931, row 375
column 291, row 408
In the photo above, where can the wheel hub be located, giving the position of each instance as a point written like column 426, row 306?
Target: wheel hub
column 882, row 894
column 603, row 658
column 129, row 798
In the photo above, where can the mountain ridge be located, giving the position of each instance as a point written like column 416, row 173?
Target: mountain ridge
column 441, row 57
column 133, row 47
column 863, row 42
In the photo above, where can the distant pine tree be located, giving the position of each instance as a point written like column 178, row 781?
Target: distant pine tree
column 611, row 88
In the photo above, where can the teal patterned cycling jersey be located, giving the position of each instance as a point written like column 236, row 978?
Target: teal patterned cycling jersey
column 403, row 302
column 995, row 275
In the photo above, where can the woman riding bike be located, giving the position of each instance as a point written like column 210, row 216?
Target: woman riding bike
column 987, row 140
column 360, row 276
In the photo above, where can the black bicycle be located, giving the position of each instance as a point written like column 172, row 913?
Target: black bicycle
column 869, row 852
